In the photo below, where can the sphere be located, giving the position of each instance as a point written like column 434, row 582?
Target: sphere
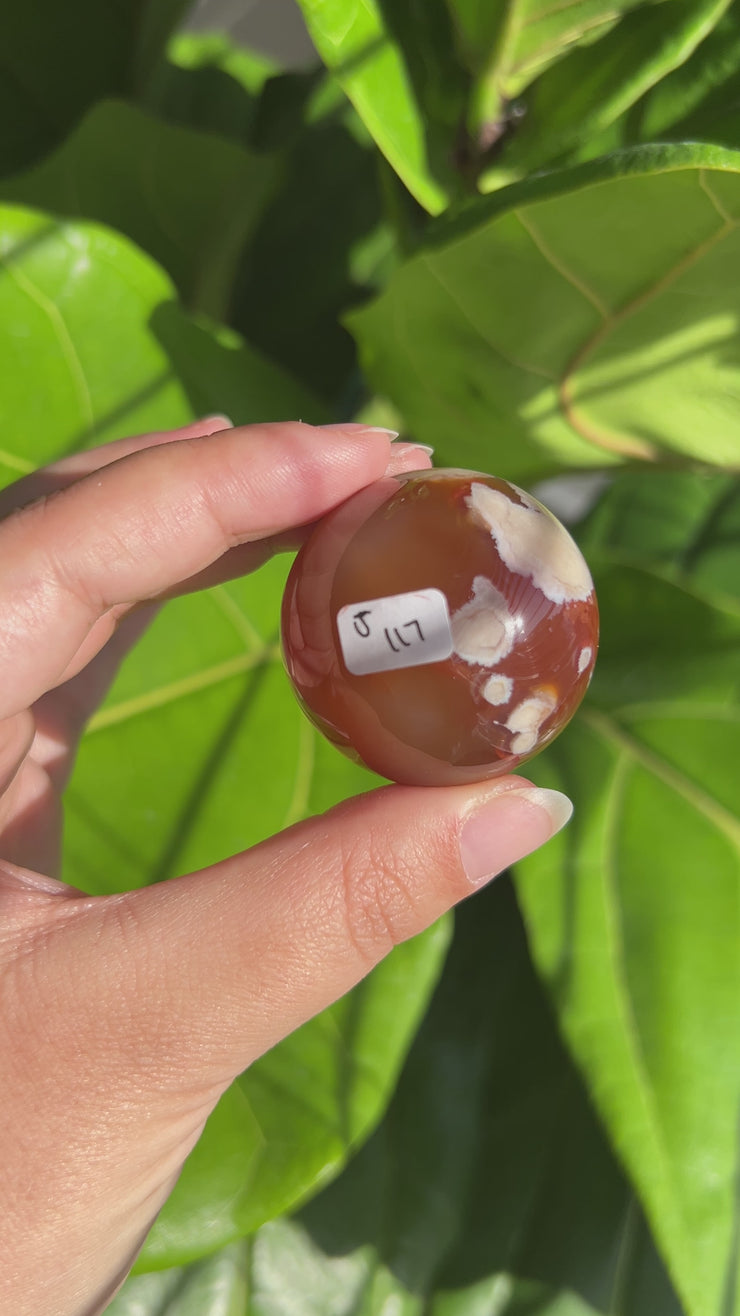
column 440, row 627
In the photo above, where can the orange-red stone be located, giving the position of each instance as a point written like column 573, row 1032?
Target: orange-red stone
column 523, row 627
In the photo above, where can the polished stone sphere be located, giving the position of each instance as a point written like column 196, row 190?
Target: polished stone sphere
column 440, row 627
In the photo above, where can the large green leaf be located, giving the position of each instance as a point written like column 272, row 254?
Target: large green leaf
column 59, row 59
column 203, row 705
column 395, row 62
column 189, row 199
column 488, row 1190
column 686, row 525
column 163, row 781
column 582, row 318
column 64, row 382
column 633, row 914
column 582, row 94
column 699, row 101
column 94, row 347
column 507, row 43
column 292, row 288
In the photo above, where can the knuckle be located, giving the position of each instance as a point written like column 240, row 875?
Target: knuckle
column 381, row 906
column 16, row 737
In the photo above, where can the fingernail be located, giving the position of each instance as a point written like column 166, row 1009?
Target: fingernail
column 507, row 826
column 219, row 419
column 404, row 448
column 353, row 426
column 407, row 457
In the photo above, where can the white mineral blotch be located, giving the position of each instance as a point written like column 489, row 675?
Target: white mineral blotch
column 483, row 630
column 584, row 658
column 527, row 718
column 532, row 543
column 497, row 689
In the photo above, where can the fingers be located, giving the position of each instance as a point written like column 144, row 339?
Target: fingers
column 226, row 962
column 59, row 474
column 140, row 526
column 137, row 1011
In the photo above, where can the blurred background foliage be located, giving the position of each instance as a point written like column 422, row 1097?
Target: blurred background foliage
column 511, row 229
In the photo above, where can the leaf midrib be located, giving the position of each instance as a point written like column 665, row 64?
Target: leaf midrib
column 630, row 1030
column 150, row 700
column 715, row 813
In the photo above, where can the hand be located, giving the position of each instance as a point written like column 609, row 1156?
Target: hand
column 125, row 1017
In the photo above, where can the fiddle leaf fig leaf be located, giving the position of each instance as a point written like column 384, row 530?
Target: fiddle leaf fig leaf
column 58, row 60
column 200, row 718
column 582, row 318
column 188, row 198
column 402, row 79
column 581, row 95
column 67, row 382
column 698, row 101
column 632, row 913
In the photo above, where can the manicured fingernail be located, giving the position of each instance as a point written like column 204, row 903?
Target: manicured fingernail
column 224, row 421
column 353, row 426
column 412, row 448
column 507, row 826
column 406, row 457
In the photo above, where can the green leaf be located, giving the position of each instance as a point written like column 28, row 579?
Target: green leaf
column 274, row 1140
column 699, row 101
column 633, row 912
column 489, row 1188
column 409, row 95
column 65, row 383
column 190, row 711
column 291, row 289
column 176, row 744
column 189, row 199
column 158, row 18
column 507, row 43
column 583, row 318
column 59, row 59
column 686, row 525
column 584, row 93
column 216, row 1286
column 94, row 348
column 208, row 82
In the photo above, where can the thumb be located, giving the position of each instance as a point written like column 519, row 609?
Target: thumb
column 211, row 970
column 126, row 1016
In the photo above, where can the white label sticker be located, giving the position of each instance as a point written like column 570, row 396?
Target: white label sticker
column 402, row 630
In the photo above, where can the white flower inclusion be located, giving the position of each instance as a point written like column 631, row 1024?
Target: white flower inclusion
column 531, row 542
column 483, row 630
column 584, row 658
column 527, row 718
column 498, row 689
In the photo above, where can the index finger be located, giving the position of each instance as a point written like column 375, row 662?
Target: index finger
column 136, row 528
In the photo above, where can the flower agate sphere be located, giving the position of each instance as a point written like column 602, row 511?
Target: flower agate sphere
column 440, row 627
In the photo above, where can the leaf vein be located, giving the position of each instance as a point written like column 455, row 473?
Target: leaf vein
column 187, row 685
column 63, row 336
column 298, row 803
column 615, row 944
column 561, row 268
column 506, row 357
column 705, row 804
column 629, row 445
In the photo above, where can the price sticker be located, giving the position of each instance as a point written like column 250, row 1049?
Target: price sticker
column 402, row 630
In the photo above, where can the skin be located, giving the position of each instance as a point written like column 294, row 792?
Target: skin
column 124, row 1018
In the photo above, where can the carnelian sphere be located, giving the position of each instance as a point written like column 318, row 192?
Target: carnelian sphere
column 440, row 627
